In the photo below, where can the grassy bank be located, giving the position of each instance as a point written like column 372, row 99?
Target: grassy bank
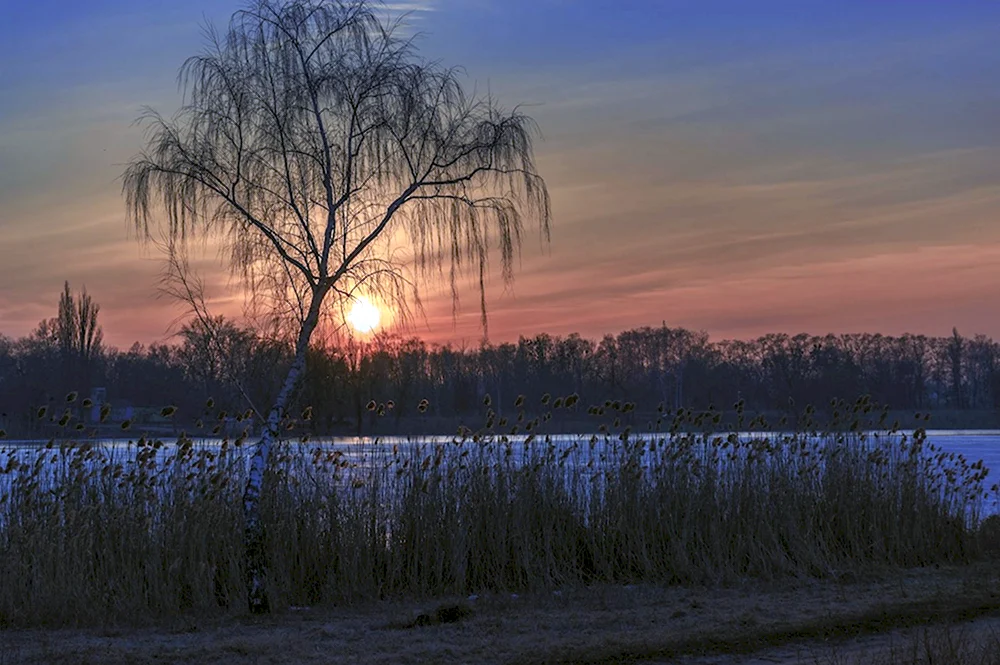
column 91, row 535
column 926, row 615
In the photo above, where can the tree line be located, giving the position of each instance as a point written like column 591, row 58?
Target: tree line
column 348, row 385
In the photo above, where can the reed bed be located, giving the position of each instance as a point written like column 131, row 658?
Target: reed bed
column 95, row 534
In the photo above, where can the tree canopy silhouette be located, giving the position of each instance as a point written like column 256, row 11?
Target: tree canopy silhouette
column 312, row 139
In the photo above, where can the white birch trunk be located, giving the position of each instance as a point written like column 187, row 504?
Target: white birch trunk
column 256, row 561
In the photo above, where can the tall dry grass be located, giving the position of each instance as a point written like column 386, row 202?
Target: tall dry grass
column 92, row 534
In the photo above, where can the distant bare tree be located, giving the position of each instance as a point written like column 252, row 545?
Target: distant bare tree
column 312, row 140
column 956, row 350
column 215, row 353
column 80, row 338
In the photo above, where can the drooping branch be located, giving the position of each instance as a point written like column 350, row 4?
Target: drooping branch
column 310, row 132
column 310, row 141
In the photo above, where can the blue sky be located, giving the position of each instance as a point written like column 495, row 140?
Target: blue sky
column 738, row 167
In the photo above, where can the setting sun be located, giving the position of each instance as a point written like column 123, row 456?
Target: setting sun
column 364, row 316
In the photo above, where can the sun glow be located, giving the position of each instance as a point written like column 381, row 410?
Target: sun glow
column 364, row 316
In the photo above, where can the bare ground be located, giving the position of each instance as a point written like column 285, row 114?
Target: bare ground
column 969, row 641
column 791, row 622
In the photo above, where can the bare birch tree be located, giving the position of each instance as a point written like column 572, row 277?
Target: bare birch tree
column 312, row 139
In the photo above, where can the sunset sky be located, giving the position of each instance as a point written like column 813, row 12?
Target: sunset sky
column 737, row 167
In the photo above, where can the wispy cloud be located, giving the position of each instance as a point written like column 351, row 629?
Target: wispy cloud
column 812, row 182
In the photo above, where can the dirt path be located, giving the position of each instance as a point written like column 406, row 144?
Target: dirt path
column 907, row 645
column 777, row 624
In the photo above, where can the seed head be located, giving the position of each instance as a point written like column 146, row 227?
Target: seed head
column 168, row 411
column 126, row 425
column 41, row 411
column 71, row 397
column 487, row 400
column 371, row 405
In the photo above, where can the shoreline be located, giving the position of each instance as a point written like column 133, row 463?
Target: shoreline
column 430, row 437
column 562, row 421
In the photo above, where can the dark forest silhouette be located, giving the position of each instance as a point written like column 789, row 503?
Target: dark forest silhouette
column 955, row 377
